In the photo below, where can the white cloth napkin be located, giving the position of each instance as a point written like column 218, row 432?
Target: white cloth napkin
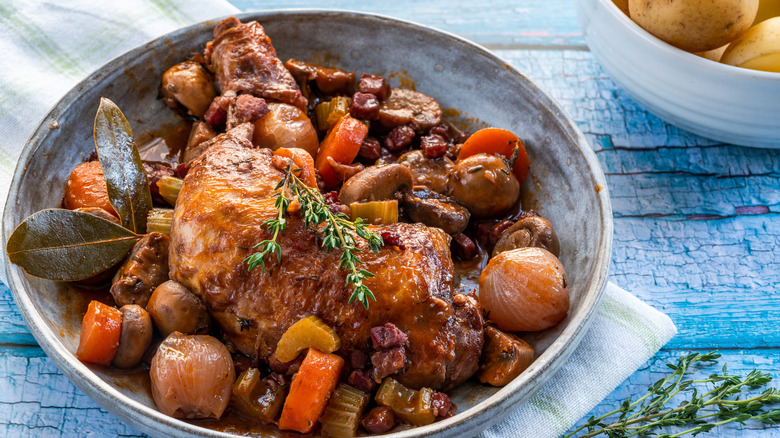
column 48, row 47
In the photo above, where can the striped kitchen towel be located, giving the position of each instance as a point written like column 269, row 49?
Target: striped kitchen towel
column 48, row 47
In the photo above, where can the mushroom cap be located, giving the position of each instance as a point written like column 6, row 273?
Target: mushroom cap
column 376, row 183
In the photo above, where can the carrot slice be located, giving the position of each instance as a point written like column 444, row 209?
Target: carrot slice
column 310, row 390
column 498, row 141
column 342, row 144
column 301, row 160
column 100, row 330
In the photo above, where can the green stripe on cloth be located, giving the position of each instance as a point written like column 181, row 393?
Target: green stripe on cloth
column 37, row 41
column 551, row 408
column 105, row 41
column 12, row 97
column 641, row 327
column 171, row 10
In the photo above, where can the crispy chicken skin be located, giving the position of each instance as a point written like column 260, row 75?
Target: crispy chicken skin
column 227, row 195
column 244, row 61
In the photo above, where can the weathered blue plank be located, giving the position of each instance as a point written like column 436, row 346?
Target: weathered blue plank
column 497, row 24
column 12, row 327
column 37, row 400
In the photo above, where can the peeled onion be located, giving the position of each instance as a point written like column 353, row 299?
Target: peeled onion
column 285, row 126
column 524, row 289
column 192, row 376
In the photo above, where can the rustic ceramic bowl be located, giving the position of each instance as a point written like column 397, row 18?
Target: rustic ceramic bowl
column 566, row 185
column 717, row 101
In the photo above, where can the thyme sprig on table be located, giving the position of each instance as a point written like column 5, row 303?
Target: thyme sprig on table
column 338, row 232
column 713, row 402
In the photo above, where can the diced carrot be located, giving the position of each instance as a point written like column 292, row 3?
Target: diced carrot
column 501, row 142
column 342, row 144
column 100, row 332
column 301, row 160
column 311, row 388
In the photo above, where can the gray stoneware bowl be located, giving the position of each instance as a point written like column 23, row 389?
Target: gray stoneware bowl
column 566, row 185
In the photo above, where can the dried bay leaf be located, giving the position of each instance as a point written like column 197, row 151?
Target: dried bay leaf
column 128, row 189
column 67, row 245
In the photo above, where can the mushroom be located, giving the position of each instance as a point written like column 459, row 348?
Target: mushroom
column 189, row 84
column 430, row 172
column 174, row 308
column 485, row 185
column 504, row 357
column 135, row 337
column 376, row 183
column 436, row 210
column 533, row 231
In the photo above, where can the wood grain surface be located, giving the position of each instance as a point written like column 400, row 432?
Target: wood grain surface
column 697, row 223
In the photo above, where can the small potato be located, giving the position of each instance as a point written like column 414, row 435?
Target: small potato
column 762, row 41
column 174, row 308
column 694, row 25
column 524, row 289
column 135, row 338
column 86, row 187
column 622, row 5
column 285, row 127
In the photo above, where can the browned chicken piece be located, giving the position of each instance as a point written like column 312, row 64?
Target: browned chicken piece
column 201, row 131
column 145, row 268
column 241, row 136
column 244, row 61
column 218, row 220
column 505, row 356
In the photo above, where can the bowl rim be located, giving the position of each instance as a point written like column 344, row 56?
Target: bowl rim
column 682, row 55
column 470, row 421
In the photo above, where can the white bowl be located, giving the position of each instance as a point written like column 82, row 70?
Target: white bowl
column 717, row 101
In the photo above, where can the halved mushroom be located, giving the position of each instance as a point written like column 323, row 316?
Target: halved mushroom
column 504, row 357
column 190, row 85
column 376, row 183
column 436, row 210
column 533, row 231
column 430, row 172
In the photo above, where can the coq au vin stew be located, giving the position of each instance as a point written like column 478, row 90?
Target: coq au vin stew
column 299, row 262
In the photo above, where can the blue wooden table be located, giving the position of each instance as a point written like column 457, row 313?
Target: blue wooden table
column 697, row 223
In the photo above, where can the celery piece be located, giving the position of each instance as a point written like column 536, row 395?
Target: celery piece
column 328, row 113
column 375, row 212
column 342, row 415
column 258, row 398
column 413, row 407
column 169, row 188
column 321, row 112
column 308, row 332
column 159, row 220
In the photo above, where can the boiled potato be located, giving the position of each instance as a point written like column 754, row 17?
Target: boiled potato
column 769, row 63
column 694, row 25
column 714, row 54
column 767, row 9
column 622, row 5
column 757, row 47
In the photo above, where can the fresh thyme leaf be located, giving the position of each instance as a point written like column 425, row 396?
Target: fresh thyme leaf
column 720, row 399
column 338, row 232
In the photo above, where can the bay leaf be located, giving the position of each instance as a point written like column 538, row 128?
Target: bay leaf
column 128, row 189
column 67, row 245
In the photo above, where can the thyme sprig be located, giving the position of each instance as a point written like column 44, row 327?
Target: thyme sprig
column 714, row 401
column 338, row 232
